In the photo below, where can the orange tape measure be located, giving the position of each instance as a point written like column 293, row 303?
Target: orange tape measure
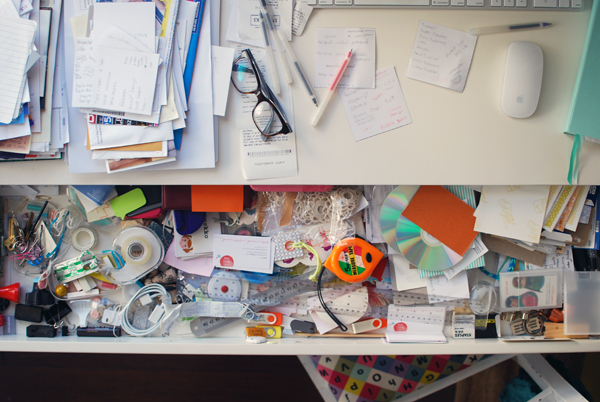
column 353, row 259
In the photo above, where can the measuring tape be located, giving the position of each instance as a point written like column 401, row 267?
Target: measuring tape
column 268, row 298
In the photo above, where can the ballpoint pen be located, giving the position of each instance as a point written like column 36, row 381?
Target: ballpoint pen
column 275, row 41
column 508, row 28
column 298, row 68
column 270, row 59
column 332, row 88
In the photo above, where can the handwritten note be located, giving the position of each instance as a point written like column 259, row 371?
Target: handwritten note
column 19, row 145
column 84, row 72
column 375, row 111
column 441, row 56
column 125, row 80
column 333, row 44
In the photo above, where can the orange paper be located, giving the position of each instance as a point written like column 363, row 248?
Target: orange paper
column 444, row 216
column 146, row 147
column 218, row 198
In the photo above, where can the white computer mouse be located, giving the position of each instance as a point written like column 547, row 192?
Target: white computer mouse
column 522, row 79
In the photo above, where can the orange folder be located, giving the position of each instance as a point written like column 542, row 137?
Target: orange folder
column 218, row 198
column 444, row 216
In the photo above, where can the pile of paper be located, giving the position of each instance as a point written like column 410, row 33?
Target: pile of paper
column 33, row 122
column 132, row 65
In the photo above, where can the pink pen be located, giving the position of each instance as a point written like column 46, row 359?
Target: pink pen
column 332, row 88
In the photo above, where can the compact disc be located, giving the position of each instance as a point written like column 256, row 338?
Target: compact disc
column 391, row 209
column 422, row 249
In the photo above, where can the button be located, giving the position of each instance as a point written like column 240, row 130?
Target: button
column 496, row 3
column 326, row 2
column 509, row 3
column 577, row 4
column 564, row 3
column 475, row 3
column 545, row 3
column 312, row 2
column 521, row 3
column 343, row 2
column 457, row 2
column 440, row 2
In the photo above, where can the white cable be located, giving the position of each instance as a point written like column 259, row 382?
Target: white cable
column 153, row 290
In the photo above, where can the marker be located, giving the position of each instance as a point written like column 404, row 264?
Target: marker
column 508, row 28
column 298, row 68
column 332, row 88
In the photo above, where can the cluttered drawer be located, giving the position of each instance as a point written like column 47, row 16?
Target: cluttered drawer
column 299, row 269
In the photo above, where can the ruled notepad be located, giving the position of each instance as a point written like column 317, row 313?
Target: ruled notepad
column 16, row 38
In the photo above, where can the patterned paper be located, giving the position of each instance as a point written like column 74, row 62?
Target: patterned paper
column 559, row 207
column 385, row 378
column 516, row 212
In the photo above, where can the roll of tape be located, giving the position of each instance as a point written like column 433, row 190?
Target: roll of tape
column 84, row 238
column 136, row 250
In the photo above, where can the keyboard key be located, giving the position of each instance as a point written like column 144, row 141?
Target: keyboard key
column 475, row 3
column 312, row 2
column 326, row 2
column 391, row 2
column 457, row 3
column 440, row 2
column 521, row 3
column 509, row 3
column 564, row 3
column 577, row 4
column 545, row 3
column 343, row 2
column 496, row 3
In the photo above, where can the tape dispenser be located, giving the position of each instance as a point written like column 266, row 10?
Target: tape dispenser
column 353, row 259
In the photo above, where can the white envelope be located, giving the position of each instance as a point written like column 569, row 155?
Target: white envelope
column 110, row 136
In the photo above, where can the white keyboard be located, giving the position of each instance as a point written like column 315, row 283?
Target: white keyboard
column 517, row 5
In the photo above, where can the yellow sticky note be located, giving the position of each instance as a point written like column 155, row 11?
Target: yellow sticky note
column 128, row 202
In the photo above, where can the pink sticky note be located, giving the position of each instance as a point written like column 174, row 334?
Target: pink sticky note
column 198, row 266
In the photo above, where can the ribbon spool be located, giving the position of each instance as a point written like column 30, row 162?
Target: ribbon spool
column 84, row 238
column 141, row 250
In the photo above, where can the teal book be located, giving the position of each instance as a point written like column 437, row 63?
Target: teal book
column 584, row 120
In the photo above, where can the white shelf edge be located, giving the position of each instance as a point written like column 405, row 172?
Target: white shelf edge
column 284, row 346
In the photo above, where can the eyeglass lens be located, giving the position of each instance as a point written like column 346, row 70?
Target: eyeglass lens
column 265, row 118
column 243, row 76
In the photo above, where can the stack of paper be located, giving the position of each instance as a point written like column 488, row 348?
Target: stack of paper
column 33, row 122
column 127, row 62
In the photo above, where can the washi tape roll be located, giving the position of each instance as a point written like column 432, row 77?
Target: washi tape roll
column 84, row 238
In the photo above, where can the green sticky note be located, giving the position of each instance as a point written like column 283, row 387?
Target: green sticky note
column 128, row 202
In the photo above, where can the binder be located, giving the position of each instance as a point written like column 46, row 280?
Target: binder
column 583, row 120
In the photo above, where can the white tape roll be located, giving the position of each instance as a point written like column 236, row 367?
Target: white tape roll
column 136, row 250
column 84, row 238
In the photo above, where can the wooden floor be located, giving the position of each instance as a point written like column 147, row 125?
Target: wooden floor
column 106, row 378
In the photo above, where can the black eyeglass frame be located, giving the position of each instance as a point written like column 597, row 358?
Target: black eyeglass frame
column 264, row 94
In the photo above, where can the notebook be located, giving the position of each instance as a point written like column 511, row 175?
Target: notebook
column 583, row 120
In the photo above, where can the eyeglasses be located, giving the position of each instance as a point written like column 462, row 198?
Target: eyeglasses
column 268, row 114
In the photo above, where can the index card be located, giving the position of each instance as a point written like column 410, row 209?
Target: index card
column 375, row 111
column 16, row 38
column 333, row 44
column 246, row 253
column 441, row 56
column 126, row 80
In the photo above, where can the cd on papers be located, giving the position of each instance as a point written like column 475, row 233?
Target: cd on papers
column 422, row 249
column 391, row 209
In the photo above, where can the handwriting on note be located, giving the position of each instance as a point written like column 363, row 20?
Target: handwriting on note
column 441, row 56
column 333, row 44
column 83, row 72
column 375, row 111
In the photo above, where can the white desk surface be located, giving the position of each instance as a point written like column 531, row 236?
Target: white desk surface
column 455, row 138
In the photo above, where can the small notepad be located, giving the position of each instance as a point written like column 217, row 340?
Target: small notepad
column 441, row 56
column 16, row 38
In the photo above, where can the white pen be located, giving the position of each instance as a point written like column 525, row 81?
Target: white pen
column 270, row 59
column 332, row 88
column 298, row 68
column 275, row 40
column 508, row 28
